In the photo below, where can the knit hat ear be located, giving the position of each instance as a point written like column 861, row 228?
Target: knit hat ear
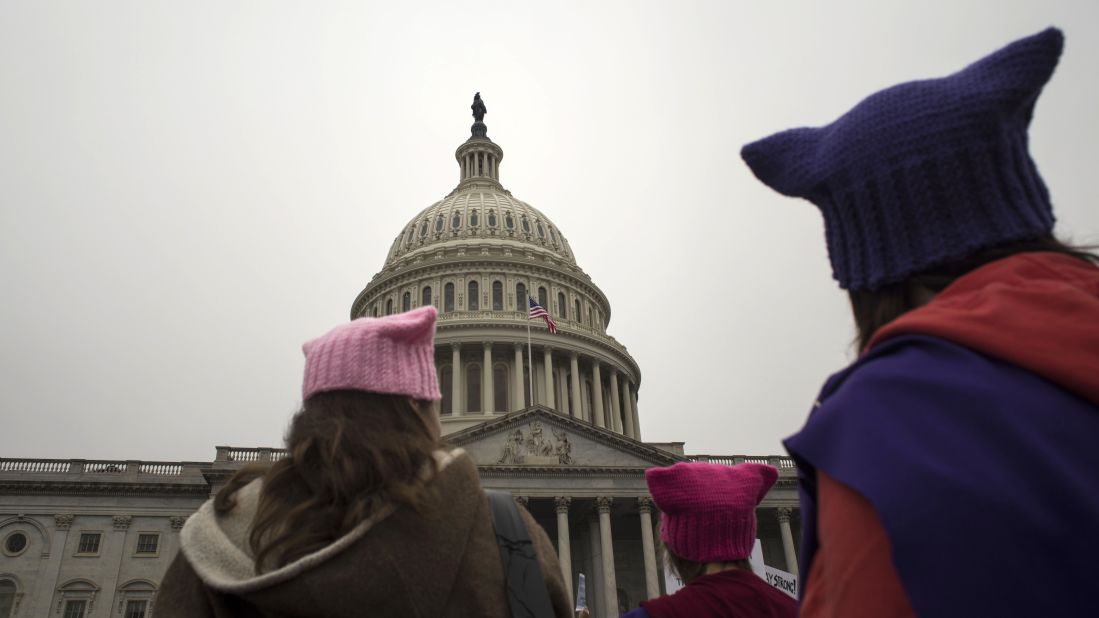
column 783, row 161
column 1019, row 71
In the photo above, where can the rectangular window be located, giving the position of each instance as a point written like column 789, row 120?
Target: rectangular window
column 89, row 543
column 136, row 609
column 75, row 609
column 147, row 543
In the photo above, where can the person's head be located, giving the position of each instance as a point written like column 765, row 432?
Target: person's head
column 364, row 437
column 924, row 181
column 708, row 512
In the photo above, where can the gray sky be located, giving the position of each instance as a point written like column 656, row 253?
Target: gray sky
column 189, row 190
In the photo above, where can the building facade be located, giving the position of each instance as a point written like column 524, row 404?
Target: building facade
column 555, row 423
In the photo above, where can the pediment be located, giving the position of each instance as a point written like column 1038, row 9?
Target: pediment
column 539, row 438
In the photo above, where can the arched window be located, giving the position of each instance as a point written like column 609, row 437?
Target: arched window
column 473, row 299
column 521, row 297
column 591, row 318
column 553, row 236
column 492, row 218
column 542, row 297
column 497, row 296
column 526, row 224
column 561, row 305
column 406, row 301
column 541, row 230
column 509, row 222
column 439, row 223
column 446, row 384
column 500, row 388
column 448, row 297
column 423, row 229
column 473, row 387
column 375, row 310
column 389, row 306
column 456, row 220
column 425, row 297
column 408, row 235
column 473, row 218
column 577, row 314
column 7, row 597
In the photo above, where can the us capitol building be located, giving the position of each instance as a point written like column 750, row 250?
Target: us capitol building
column 93, row 538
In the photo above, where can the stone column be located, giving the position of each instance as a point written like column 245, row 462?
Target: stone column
column 610, row 584
column 518, row 401
column 652, row 584
column 574, row 366
column 597, row 396
column 783, row 516
column 613, row 424
column 547, row 355
column 488, row 393
column 627, row 407
column 564, row 550
column 456, row 403
column 636, row 418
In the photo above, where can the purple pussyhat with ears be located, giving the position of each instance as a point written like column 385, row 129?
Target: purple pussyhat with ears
column 924, row 172
column 708, row 511
column 394, row 355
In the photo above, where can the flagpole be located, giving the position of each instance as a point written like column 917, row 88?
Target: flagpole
column 530, row 359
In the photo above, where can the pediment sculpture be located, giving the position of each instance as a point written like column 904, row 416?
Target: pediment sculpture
column 535, row 447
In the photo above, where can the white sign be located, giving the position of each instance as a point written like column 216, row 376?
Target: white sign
column 786, row 582
column 671, row 580
column 581, row 594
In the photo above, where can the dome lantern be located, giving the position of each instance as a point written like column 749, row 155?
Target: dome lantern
column 479, row 157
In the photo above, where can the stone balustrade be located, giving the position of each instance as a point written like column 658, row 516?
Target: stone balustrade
column 778, row 461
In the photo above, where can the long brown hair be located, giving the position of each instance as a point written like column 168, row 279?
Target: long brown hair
column 349, row 454
column 874, row 309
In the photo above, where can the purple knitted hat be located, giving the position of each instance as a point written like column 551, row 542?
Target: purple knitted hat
column 708, row 511
column 924, row 172
column 394, row 355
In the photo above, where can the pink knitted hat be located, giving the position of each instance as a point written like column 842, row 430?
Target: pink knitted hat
column 394, row 355
column 709, row 510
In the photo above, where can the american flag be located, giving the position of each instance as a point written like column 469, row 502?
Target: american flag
column 536, row 311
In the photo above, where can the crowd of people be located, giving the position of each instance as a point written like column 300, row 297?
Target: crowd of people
column 951, row 470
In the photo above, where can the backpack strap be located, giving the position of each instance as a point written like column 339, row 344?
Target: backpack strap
column 524, row 585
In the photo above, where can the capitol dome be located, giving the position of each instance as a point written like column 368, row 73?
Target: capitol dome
column 476, row 255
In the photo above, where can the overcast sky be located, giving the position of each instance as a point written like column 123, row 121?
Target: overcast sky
column 189, row 190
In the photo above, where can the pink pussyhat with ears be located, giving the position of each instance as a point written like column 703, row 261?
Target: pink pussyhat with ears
column 708, row 511
column 393, row 355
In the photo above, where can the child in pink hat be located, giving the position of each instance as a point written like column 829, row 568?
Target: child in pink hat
column 708, row 526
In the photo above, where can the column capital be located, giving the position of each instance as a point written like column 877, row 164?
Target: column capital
column 454, row 345
column 522, row 501
column 573, row 354
column 603, row 504
column 645, row 504
column 783, row 514
column 562, row 503
column 518, row 347
column 487, row 345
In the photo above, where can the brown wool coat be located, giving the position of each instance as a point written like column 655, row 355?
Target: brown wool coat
column 443, row 561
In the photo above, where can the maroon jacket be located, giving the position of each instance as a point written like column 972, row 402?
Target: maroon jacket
column 728, row 594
